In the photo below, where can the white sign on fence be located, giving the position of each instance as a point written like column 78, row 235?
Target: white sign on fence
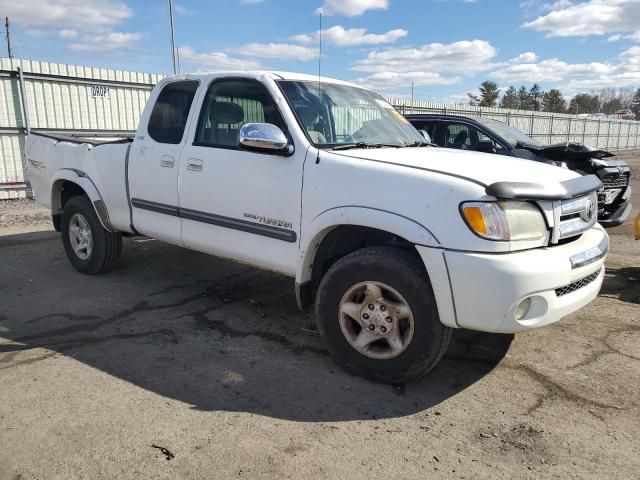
column 100, row 91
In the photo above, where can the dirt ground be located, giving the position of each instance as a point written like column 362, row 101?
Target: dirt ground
column 180, row 365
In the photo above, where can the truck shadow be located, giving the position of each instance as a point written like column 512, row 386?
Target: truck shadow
column 623, row 284
column 210, row 333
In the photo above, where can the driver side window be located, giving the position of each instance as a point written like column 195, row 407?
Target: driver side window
column 466, row 137
column 230, row 104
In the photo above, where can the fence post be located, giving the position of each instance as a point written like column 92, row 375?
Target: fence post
column 569, row 130
column 628, row 135
column 531, row 126
column 584, row 128
column 608, row 133
column 551, row 131
column 598, row 135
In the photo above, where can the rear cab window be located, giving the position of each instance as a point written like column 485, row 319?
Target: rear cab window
column 169, row 116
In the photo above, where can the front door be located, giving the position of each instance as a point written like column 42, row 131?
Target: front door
column 234, row 202
column 153, row 163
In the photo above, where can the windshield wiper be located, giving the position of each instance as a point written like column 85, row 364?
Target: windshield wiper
column 419, row 143
column 349, row 146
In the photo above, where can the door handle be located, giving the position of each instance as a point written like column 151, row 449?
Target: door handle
column 194, row 164
column 167, row 161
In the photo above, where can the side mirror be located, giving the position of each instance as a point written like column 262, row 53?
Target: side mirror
column 263, row 136
column 486, row 147
column 426, row 136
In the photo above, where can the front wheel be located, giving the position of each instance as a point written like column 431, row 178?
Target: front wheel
column 89, row 247
column 376, row 310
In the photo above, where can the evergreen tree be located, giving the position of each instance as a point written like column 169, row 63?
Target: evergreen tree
column 553, row 101
column 524, row 99
column 489, row 94
column 535, row 94
column 510, row 98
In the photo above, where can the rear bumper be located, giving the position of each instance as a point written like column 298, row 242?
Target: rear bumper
column 485, row 290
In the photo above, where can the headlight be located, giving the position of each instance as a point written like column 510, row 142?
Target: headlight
column 504, row 221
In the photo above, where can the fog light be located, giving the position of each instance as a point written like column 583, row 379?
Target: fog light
column 523, row 309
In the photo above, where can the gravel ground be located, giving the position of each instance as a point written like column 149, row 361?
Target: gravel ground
column 181, row 365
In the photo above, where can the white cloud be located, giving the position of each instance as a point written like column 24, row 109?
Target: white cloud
column 592, row 17
column 351, row 8
column 211, row 61
column 111, row 41
column 381, row 80
column 550, row 70
column 349, row 37
column 431, row 64
column 182, row 10
column 281, row 51
column 468, row 56
column 526, row 57
column 88, row 24
column 65, row 13
column 68, row 33
column 622, row 72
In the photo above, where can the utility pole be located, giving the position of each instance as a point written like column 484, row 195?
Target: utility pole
column 174, row 51
column 8, row 35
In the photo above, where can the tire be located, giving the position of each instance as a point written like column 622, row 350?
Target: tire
column 105, row 247
column 402, row 279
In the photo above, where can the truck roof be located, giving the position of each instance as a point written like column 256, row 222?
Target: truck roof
column 258, row 75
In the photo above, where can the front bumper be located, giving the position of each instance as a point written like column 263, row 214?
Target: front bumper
column 617, row 213
column 482, row 291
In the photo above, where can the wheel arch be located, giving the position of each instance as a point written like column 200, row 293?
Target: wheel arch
column 68, row 183
column 339, row 231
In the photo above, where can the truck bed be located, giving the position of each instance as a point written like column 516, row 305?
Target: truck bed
column 51, row 159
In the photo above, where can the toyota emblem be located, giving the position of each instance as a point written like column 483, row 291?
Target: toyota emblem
column 589, row 211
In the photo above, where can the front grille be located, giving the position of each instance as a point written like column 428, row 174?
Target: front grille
column 615, row 180
column 577, row 215
column 578, row 284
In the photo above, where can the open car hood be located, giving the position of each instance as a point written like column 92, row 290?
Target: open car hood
column 567, row 151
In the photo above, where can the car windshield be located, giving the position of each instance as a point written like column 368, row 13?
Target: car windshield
column 341, row 116
column 510, row 134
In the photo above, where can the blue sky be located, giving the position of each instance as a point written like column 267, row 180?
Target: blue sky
column 445, row 47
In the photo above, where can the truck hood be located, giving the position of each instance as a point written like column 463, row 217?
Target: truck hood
column 477, row 167
column 574, row 153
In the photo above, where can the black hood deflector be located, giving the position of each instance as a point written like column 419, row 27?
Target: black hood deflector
column 568, row 189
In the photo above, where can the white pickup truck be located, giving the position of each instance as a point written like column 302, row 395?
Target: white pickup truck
column 396, row 242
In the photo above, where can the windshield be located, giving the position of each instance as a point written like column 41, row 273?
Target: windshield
column 345, row 115
column 510, row 134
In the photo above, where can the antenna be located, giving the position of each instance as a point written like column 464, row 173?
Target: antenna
column 319, row 78
column 8, row 35
column 174, row 56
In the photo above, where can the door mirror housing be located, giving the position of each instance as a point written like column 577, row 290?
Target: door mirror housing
column 264, row 137
column 426, row 136
column 486, row 146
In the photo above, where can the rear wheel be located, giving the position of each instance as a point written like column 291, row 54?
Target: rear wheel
column 89, row 247
column 376, row 309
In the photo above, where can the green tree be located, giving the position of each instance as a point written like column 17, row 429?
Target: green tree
column 489, row 94
column 524, row 99
column 553, row 101
column 635, row 105
column 510, row 98
column 535, row 94
column 584, row 103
